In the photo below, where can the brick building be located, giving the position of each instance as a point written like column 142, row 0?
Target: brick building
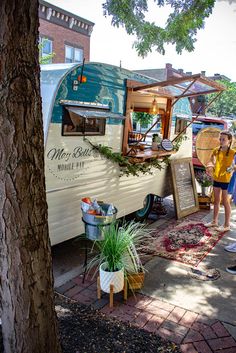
column 64, row 34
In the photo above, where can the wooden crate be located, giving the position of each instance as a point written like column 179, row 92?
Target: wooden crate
column 204, row 202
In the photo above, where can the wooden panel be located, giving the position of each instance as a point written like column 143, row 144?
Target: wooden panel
column 149, row 153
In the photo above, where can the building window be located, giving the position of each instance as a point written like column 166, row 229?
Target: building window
column 45, row 50
column 73, row 55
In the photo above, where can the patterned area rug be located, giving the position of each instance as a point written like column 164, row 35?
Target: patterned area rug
column 187, row 242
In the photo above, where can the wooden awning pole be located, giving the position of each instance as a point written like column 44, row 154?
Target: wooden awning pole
column 186, row 89
column 211, row 101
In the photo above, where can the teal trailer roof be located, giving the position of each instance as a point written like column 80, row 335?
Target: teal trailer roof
column 105, row 84
column 51, row 76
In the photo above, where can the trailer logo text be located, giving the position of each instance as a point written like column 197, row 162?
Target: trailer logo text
column 66, row 161
column 61, row 155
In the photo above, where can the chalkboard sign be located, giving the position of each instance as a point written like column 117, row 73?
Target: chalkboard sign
column 184, row 187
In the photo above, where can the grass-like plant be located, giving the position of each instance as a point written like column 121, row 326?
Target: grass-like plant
column 120, row 247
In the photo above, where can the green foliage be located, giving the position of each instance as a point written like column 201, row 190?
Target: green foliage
column 156, row 138
column 181, row 27
column 47, row 59
column 127, row 167
column 142, row 118
column 225, row 105
column 203, row 178
column 120, row 247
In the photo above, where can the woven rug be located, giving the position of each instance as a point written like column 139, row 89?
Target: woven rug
column 187, row 242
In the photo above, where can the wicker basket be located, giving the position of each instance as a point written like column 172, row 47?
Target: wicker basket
column 135, row 280
column 207, row 139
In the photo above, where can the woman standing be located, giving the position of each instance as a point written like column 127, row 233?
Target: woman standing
column 220, row 168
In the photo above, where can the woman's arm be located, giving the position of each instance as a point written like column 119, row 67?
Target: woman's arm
column 210, row 165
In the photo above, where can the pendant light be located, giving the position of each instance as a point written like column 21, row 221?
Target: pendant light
column 154, row 109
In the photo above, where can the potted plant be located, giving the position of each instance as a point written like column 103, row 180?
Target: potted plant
column 156, row 140
column 204, row 181
column 118, row 254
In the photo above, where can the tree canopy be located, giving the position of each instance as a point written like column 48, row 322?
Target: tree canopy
column 181, row 26
column 142, row 118
column 225, row 104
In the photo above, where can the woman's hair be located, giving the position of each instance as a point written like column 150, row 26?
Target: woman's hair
column 230, row 138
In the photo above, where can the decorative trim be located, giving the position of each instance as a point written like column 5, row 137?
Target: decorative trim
column 48, row 13
column 63, row 18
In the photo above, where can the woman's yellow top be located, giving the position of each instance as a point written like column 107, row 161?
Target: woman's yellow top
column 222, row 162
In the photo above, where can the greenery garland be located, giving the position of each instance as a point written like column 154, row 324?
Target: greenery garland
column 129, row 165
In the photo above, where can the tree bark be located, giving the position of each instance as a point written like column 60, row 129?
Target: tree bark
column 29, row 322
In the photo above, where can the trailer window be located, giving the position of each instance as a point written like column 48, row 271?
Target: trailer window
column 76, row 125
column 180, row 125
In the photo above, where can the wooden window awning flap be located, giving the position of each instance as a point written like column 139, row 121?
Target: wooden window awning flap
column 187, row 86
column 180, row 87
column 175, row 89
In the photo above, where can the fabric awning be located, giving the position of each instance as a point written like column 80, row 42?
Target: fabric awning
column 89, row 114
column 187, row 86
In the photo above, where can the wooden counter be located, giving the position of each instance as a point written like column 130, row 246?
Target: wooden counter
column 149, row 153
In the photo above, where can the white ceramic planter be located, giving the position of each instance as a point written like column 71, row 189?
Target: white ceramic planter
column 108, row 278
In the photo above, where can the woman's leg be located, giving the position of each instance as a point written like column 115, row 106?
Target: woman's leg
column 227, row 206
column 217, row 196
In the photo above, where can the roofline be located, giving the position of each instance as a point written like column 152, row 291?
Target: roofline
column 67, row 13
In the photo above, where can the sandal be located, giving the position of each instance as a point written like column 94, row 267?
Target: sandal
column 223, row 228
column 211, row 224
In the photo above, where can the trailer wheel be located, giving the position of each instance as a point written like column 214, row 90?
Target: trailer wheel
column 143, row 213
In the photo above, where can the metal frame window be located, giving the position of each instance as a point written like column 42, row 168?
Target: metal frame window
column 46, row 47
column 180, row 125
column 73, row 55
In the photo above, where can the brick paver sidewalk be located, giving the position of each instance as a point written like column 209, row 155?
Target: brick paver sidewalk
column 193, row 332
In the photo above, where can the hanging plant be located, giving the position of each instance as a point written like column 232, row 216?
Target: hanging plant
column 132, row 165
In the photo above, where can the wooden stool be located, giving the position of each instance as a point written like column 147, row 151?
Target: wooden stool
column 111, row 291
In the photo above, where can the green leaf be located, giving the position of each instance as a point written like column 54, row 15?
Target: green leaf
column 225, row 104
column 186, row 18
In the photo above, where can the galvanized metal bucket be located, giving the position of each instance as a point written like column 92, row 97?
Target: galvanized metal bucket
column 95, row 224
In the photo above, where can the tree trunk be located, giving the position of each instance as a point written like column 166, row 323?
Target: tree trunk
column 28, row 317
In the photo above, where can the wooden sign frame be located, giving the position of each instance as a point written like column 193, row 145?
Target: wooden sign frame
column 184, row 187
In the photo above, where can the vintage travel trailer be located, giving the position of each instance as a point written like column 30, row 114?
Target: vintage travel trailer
column 93, row 102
